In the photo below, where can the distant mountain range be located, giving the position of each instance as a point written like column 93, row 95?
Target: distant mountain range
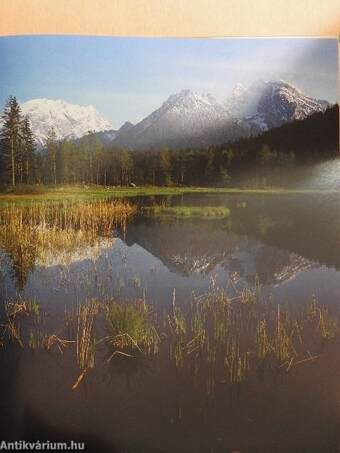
column 184, row 119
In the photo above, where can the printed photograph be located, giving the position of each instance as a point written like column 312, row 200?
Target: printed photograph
column 169, row 245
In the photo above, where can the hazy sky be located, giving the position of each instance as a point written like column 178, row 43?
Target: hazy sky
column 127, row 78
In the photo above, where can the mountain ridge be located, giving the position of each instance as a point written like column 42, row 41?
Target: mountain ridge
column 184, row 119
column 187, row 118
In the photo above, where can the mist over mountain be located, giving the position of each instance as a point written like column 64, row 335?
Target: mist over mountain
column 265, row 105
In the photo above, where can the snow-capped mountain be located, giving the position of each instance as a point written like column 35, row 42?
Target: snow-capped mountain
column 69, row 120
column 184, row 117
column 265, row 105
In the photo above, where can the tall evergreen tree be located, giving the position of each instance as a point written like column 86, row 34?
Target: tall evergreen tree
column 11, row 139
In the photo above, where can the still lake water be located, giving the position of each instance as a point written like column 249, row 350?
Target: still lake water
column 287, row 244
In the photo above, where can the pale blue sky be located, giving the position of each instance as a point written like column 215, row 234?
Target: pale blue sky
column 127, row 78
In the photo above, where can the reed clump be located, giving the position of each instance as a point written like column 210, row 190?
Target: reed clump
column 130, row 328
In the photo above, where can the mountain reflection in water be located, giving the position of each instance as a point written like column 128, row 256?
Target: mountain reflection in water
column 273, row 240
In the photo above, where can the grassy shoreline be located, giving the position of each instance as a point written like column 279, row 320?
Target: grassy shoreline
column 96, row 192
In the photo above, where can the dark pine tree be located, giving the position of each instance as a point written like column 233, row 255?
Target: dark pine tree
column 11, row 140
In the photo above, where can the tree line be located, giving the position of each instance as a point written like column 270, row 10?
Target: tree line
column 266, row 159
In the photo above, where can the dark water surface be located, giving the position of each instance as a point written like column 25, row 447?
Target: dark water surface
column 289, row 245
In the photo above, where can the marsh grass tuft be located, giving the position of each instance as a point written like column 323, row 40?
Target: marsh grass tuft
column 189, row 212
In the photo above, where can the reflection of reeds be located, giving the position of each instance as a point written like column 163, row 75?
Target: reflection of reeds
column 35, row 232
